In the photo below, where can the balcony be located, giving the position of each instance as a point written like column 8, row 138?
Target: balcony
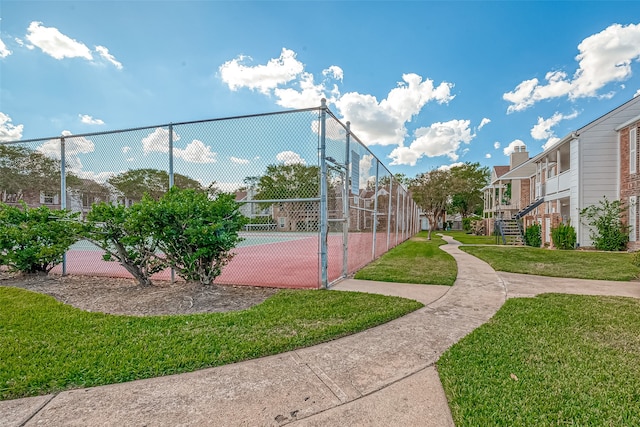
column 556, row 184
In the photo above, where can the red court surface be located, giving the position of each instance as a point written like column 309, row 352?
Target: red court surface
column 284, row 264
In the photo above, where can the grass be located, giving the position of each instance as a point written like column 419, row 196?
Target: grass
column 417, row 261
column 548, row 361
column 557, row 263
column 469, row 239
column 47, row 346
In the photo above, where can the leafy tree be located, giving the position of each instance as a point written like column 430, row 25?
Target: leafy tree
column 608, row 232
column 467, row 182
column 23, row 169
column 432, row 192
column 133, row 184
column 123, row 234
column 195, row 233
column 34, row 240
column 291, row 181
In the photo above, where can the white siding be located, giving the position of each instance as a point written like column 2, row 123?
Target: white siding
column 574, row 195
column 600, row 160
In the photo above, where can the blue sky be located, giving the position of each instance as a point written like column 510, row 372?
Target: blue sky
column 425, row 84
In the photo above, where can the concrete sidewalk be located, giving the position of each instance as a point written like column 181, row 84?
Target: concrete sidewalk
column 384, row 376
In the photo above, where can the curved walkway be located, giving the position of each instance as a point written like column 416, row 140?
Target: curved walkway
column 384, row 376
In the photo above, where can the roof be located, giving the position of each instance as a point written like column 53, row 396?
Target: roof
column 501, row 170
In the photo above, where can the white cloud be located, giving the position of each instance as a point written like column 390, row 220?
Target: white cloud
column 551, row 141
column 496, row 145
column 637, row 93
column 290, row 158
column 334, row 71
column 54, row 43
column 104, row 53
column 452, row 165
column 309, row 94
column 604, row 58
column 439, row 139
column 125, row 150
column 374, row 122
column 512, row 147
column 4, row 51
column 239, row 161
column 158, row 141
column 261, row 77
column 484, row 122
column 365, row 169
column 228, row 187
column 87, row 119
column 487, row 156
column 8, row 131
column 100, row 177
column 543, row 129
column 383, row 122
column 73, row 147
column 130, row 159
column 196, row 152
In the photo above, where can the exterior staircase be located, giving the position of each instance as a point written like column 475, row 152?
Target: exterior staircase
column 511, row 232
column 529, row 208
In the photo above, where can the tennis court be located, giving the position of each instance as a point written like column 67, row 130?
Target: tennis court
column 283, row 260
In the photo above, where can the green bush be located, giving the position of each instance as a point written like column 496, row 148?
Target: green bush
column 564, row 236
column 123, row 234
column 34, row 240
column 608, row 232
column 533, row 235
column 195, row 233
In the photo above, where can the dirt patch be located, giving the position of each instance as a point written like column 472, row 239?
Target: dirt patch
column 125, row 296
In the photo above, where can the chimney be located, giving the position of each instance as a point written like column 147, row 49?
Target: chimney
column 519, row 156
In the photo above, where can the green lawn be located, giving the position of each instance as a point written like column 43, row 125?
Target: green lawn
column 47, row 346
column 417, row 260
column 557, row 263
column 470, row 239
column 548, row 361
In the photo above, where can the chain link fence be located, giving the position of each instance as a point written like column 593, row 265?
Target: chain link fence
column 319, row 205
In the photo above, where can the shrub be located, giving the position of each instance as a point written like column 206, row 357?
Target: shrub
column 608, row 232
column 533, row 235
column 123, row 234
column 34, row 240
column 195, row 233
column 564, row 236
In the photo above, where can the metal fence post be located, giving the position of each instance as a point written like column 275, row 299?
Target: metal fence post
column 389, row 211
column 63, row 193
column 171, row 182
column 324, row 261
column 170, row 155
column 397, row 213
column 345, row 205
column 375, row 213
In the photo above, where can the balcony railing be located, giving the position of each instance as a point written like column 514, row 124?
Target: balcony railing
column 557, row 184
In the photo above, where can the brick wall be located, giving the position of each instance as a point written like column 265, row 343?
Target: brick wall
column 525, row 191
column 629, row 183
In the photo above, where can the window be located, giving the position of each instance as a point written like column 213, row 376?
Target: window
column 48, row 198
column 633, row 143
column 281, row 221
